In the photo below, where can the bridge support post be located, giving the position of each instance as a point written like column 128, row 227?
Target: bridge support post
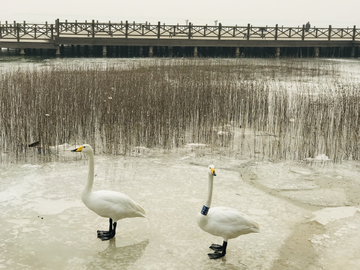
column 22, row 51
column 151, row 51
column 57, row 53
column 104, row 51
column 195, row 52
column 353, row 51
column 277, row 55
column 237, row 52
column 317, row 52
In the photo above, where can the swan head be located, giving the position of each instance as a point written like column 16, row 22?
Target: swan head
column 85, row 148
column 212, row 170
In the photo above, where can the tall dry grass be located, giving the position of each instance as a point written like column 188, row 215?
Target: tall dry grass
column 170, row 103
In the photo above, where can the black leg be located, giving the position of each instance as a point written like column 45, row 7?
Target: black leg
column 110, row 224
column 106, row 235
column 220, row 251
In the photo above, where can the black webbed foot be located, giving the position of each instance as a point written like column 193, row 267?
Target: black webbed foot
column 216, row 255
column 105, row 235
column 220, row 251
column 216, row 247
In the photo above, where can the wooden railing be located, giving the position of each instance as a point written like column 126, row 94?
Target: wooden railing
column 42, row 32
column 26, row 31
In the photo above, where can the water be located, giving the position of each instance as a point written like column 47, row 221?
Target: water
column 308, row 211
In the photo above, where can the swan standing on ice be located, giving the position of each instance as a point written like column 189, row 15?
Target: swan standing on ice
column 110, row 204
column 223, row 221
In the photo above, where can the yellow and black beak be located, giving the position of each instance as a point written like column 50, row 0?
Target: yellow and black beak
column 79, row 149
column 213, row 172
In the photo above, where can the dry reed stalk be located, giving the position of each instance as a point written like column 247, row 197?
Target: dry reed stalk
column 169, row 104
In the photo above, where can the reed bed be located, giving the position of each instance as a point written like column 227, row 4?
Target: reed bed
column 167, row 104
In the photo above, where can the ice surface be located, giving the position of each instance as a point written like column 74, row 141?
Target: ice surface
column 308, row 211
column 44, row 224
column 326, row 215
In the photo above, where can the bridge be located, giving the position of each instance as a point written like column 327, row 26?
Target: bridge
column 148, row 39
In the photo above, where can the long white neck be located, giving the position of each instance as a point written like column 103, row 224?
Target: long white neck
column 90, row 181
column 210, row 190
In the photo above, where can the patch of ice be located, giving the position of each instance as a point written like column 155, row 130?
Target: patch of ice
column 30, row 166
column 322, row 157
column 53, row 207
column 318, row 158
column 341, row 232
column 301, row 171
column 327, row 215
column 195, row 145
column 258, row 212
column 224, row 133
column 318, row 239
column 64, row 146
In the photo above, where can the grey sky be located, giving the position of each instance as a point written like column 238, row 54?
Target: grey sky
column 320, row 13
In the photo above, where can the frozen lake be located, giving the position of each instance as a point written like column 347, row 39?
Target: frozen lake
column 308, row 210
column 308, row 214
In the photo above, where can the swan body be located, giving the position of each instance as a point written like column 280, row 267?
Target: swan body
column 225, row 222
column 109, row 204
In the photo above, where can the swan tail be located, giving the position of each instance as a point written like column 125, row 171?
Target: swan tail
column 142, row 211
column 256, row 227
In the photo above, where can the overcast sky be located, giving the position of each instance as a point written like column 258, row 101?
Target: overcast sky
column 320, row 13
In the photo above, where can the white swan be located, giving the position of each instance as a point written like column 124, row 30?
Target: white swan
column 106, row 203
column 223, row 221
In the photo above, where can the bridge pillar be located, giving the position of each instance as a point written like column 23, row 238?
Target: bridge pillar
column 237, row 52
column 151, row 51
column 57, row 51
column 317, row 52
column 171, row 51
column 195, row 52
column 353, row 52
column 22, row 51
column 104, row 51
column 277, row 55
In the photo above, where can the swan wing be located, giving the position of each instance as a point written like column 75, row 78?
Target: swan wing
column 115, row 205
column 229, row 223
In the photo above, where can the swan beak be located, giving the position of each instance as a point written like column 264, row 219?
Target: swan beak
column 213, row 172
column 78, row 149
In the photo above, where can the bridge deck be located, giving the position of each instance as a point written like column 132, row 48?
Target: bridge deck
column 51, row 36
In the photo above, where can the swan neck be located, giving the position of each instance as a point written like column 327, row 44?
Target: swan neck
column 210, row 190
column 90, row 180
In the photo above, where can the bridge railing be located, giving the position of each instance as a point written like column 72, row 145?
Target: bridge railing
column 26, row 31
column 42, row 32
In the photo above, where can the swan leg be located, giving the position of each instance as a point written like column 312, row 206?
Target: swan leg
column 218, row 253
column 106, row 235
column 110, row 228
